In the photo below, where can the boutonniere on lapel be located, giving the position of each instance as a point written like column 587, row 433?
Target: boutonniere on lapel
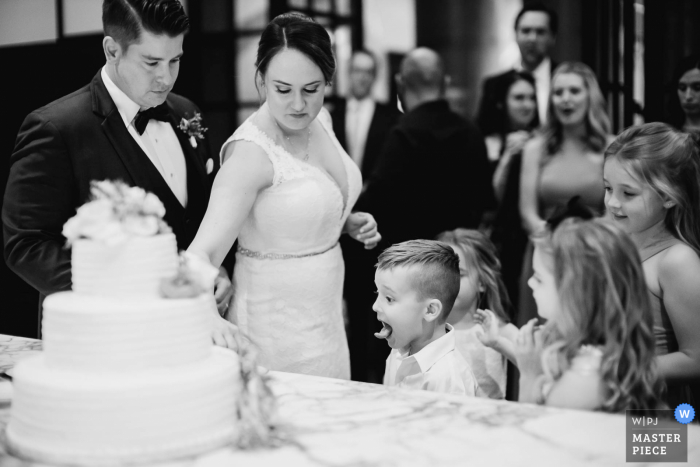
column 193, row 128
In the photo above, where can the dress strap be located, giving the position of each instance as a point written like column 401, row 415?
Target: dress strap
column 659, row 247
column 283, row 165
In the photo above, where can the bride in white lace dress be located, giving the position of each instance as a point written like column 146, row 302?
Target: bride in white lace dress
column 286, row 190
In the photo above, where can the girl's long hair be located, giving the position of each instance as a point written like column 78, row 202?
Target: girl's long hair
column 597, row 121
column 604, row 303
column 667, row 160
column 481, row 253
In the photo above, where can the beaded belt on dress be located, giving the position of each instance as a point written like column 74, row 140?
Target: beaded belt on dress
column 258, row 255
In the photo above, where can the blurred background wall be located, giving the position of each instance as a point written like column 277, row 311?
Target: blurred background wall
column 49, row 48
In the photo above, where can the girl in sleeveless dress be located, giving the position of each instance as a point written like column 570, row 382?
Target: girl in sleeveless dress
column 596, row 350
column 652, row 191
column 286, row 190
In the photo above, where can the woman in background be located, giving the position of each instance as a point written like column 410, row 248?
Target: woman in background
column 507, row 130
column 685, row 98
column 565, row 159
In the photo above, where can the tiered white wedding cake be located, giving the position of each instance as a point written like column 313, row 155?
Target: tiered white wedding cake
column 126, row 375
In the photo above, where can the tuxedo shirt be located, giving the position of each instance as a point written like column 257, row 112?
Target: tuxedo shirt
column 158, row 141
column 358, row 117
column 436, row 367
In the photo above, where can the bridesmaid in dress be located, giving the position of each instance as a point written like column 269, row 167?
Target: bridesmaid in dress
column 565, row 159
column 286, row 190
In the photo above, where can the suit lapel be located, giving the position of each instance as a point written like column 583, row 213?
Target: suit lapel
column 140, row 168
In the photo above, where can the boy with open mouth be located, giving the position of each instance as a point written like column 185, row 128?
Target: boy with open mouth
column 417, row 284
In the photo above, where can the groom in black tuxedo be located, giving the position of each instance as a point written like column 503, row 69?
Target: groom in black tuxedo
column 124, row 125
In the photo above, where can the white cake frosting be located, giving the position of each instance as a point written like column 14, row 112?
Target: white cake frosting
column 132, row 269
column 125, row 376
column 87, row 332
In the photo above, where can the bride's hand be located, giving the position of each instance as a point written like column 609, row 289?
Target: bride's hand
column 223, row 333
column 223, row 291
column 362, row 227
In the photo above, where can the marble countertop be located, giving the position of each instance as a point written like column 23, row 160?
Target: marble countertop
column 330, row 422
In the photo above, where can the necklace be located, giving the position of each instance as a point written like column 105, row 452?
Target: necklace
column 289, row 142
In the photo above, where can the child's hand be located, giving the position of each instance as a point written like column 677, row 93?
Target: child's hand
column 528, row 349
column 489, row 324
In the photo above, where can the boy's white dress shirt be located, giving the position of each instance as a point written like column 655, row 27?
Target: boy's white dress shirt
column 437, row 367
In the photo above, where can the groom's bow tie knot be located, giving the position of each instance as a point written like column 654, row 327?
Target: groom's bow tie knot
column 159, row 112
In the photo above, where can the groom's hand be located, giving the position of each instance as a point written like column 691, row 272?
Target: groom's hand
column 223, row 291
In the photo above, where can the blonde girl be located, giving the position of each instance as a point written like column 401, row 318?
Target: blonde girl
column 652, row 192
column 596, row 351
column 481, row 286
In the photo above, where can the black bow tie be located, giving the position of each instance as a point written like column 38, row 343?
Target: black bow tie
column 159, row 112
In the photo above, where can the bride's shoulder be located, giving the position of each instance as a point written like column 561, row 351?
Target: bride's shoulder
column 244, row 150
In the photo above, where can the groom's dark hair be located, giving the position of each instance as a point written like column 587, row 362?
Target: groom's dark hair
column 123, row 20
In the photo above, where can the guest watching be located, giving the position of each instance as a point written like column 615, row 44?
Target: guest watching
column 362, row 126
column 417, row 284
column 360, row 123
column 514, row 121
column 652, row 192
column 565, row 159
column 535, row 32
column 433, row 174
column 596, row 350
column 685, row 99
column 480, row 287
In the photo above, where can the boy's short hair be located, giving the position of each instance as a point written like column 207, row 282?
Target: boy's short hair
column 437, row 274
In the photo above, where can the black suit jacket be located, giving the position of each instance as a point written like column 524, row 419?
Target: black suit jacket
column 433, row 175
column 383, row 119
column 60, row 149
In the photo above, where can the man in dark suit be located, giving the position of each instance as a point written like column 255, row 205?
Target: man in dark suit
column 360, row 123
column 433, row 173
column 535, row 32
column 124, row 125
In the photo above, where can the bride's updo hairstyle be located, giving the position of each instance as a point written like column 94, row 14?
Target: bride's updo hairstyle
column 296, row 31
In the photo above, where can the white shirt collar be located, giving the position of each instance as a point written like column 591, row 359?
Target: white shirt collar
column 543, row 70
column 360, row 102
column 431, row 353
column 126, row 107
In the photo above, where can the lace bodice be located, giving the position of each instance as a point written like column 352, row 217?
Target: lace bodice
column 304, row 209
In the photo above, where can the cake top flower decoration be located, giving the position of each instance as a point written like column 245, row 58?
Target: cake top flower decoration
column 115, row 213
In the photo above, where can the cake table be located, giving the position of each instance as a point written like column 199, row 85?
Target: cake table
column 328, row 422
